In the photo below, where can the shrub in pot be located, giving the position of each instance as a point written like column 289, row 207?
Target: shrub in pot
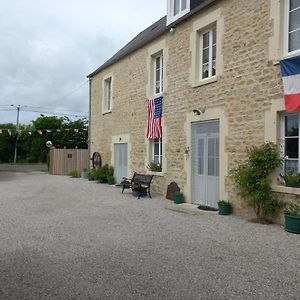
column 91, row 175
column 84, row 174
column 292, row 218
column 292, row 180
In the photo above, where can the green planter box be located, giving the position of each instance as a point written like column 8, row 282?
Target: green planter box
column 111, row 181
column 178, row 198
column 224, row 208
column 292, row 223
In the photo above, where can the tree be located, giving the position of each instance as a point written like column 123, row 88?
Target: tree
column 7, row 142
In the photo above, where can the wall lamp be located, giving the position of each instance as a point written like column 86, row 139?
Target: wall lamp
column 199, row 111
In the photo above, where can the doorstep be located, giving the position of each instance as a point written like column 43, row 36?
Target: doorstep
column 188, row 208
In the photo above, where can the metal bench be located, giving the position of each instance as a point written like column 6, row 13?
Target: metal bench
column 139, row 182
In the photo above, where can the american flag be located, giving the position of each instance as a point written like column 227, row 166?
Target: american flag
column 154, row 130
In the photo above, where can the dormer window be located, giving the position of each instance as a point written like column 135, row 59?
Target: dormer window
column 177, row 9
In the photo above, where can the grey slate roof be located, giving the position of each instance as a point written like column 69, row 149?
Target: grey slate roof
column 148, row 35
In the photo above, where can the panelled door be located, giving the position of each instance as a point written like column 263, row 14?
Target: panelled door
column 120, row 161
column 205, row 163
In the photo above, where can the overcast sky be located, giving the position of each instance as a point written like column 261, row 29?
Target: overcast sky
column 47, row 47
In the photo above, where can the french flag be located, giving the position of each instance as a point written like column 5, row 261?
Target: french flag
column 290, row 70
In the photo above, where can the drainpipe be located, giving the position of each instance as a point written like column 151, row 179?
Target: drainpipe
column 90, row 113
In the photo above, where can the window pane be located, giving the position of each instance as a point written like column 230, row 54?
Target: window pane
column 205, row 39
column 176, row 7
column 291, row 147
column 157, row 66
column 183, row 5
column 294, row 41
column 291, row 125
column 205, row 71
column 205, row 56
column 214, row 36
column 211, row 166
column 291, row 167
column 213, row 71
column 200, row 165
column 294, row 4
column 214, row 52
column 295, row 20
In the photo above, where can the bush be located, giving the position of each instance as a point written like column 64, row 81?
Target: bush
column 252, row 177
column 103, row 173
column 74, row 174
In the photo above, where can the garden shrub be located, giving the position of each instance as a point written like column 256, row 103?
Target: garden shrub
column 252, row 178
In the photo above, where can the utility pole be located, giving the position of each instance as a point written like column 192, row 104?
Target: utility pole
column 18, row 126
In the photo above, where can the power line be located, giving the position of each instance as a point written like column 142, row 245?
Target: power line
column 55, row 113
column 67, row 95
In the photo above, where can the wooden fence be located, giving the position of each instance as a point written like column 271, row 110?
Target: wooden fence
column 62, row 161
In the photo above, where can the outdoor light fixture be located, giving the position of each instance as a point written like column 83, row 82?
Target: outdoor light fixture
column 199, row 111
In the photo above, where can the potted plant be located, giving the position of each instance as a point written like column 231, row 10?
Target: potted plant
column 292, row 218
column 224, row 207
column 292, row 180
column 155, row 167
column 178, row 197
column 111, row 180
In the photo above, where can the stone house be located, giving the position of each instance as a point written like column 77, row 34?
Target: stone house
column 216, row 65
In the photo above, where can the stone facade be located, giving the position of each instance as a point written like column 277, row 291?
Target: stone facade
column 246, row 94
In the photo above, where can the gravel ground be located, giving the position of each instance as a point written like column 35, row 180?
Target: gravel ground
column 23, row 168
column 64, row 238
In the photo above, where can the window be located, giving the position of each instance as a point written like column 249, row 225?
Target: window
column 290, row 142
column 158, row 74
column 293, row 25
column 176, row 9
column 108, row 94
column 156, row 157
column 208, row 48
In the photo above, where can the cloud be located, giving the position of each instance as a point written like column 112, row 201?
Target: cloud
column 48, row 47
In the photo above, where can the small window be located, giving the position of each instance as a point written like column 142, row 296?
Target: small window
column 176, row 9
column 208, row 50
column 290, row 142
column 293, row 25
column 158, row 74
column 108, row 94
column 156, row 155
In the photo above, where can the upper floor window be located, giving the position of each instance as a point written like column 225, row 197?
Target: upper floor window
column 293, row 25
column 208, row 50
column 176, row 9
column 108, row 94
column 158, row 74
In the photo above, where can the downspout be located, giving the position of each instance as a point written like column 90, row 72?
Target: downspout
column 90, row 113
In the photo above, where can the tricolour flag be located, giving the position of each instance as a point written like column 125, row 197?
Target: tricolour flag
column 290, row 70
column 154, row 130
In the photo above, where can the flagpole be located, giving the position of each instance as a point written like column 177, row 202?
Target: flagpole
column 18, row 125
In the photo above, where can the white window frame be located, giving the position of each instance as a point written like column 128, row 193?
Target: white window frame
column 108, row 94
column 158, row 155
column 283, row 137
column 287, row 30
column 171, row 17
column 210, row 53
column 161, row 74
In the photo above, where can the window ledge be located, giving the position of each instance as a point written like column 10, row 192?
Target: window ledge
column 205, row 81
column 107, row 112
column 285, row 189
column 160, row 174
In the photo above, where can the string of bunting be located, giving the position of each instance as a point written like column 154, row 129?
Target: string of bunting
column 41, row 131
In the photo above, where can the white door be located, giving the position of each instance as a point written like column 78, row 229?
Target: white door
column 205, row 163
column 120, row 162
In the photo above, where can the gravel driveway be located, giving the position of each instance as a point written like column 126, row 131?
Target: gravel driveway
column 64, row 238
